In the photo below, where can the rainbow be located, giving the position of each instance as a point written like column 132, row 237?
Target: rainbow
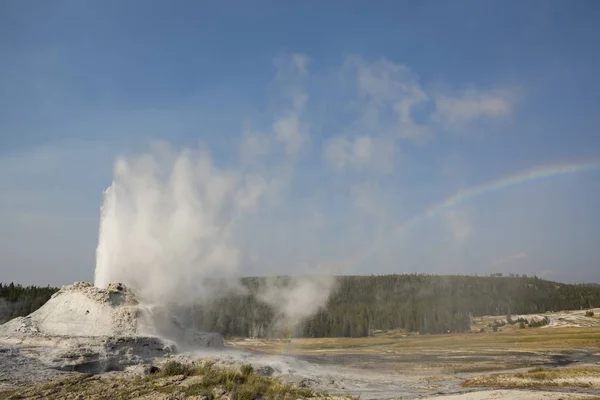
column 466, row 194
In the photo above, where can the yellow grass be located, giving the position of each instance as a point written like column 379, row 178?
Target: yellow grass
column 534, row 339
column 576, row 377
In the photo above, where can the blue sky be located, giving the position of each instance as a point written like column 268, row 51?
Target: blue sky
column 373, row 111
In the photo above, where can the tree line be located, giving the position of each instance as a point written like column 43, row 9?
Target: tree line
column 413, row 302
column 362, row 304
column 18, row 301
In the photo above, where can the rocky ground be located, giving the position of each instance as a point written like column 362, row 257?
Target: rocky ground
column 170, row 380
column 276, row 375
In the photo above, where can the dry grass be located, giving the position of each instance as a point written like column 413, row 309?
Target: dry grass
column 575, row 377
column 481, row 343
column 462, row 369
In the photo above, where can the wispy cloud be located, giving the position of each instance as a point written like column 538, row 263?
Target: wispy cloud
column 289, row 127
column 386, row 94
column 388, row 97
column 292, row 132
column 473, row 104
column 391, row 91
column 360, row 151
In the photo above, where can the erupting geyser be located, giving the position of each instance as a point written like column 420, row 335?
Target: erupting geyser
column 167, row 226
column 171, row 227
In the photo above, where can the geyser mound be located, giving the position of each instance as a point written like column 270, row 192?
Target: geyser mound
column 84, row 310
column 88, row 329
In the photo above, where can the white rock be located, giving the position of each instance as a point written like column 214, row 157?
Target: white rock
column 87, row 329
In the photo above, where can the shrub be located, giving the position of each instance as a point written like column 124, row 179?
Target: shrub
column 246, row 393
column 589, row 313
column 535, row 324
column 497, row 324
column 522, row 325
column 176, row 368
column 246, row 369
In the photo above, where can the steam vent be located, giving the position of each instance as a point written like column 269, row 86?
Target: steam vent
column 87, row 329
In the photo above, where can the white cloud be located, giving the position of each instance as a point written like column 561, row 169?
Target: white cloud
column 388, row 95
column 291, row 132
column 471, row 105
column 407, row 128
column 381, row 80
column 391, row 88
column 391, row 96
column 360, row 151
column 341, row 151
column 289, row 127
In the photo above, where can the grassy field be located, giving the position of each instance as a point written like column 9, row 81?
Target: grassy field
column 534, row 339
column 587, row 377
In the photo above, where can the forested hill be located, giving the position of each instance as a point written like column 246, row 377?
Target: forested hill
column 414, row 302
column 361, row 304
column 434, row 304
column 18, row 301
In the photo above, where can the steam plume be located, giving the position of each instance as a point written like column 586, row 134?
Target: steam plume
column 171, row 227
